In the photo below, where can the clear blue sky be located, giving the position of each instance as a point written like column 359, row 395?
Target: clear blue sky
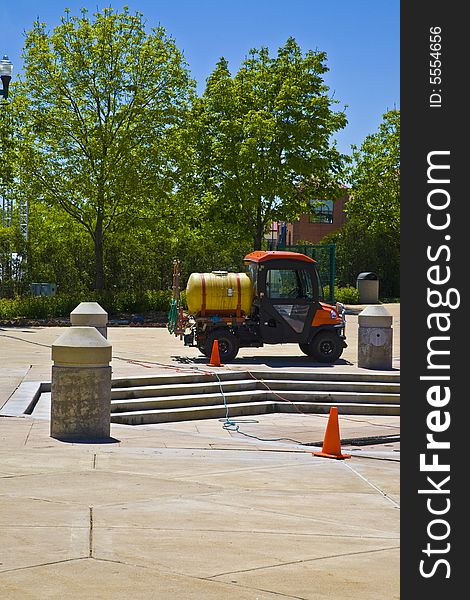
column 361, row 39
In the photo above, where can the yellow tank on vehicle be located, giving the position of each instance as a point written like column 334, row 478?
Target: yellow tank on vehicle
column 220, row 293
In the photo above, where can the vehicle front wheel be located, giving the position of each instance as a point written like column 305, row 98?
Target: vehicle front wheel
column 326, row 347
column 228, row 345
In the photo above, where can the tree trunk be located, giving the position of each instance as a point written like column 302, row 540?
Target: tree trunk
column 99, row 259
column 258, row 240
column 259, row 231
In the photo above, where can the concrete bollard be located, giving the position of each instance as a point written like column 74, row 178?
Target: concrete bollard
column 90, row 314
column 375, row 338
column 81, row 385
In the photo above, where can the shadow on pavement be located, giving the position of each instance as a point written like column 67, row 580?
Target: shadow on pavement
column 269, row 361
column 83, row 440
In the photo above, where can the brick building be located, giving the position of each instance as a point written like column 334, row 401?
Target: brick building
column 312, row 227
column 320, row 222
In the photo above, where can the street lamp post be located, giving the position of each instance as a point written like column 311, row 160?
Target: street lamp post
column 6, row 67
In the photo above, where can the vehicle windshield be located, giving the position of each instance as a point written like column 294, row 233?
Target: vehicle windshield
column 289, row 283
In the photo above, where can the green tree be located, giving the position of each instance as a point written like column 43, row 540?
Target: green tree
column 375, row 179
column 11, row 143
column 358, row 250
column 58, row 250
column 103, row 99
column 262, row 139
column 7, row 143
column 370, row 239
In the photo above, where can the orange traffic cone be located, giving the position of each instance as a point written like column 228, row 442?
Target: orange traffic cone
column 331, row 443
column 215, row 356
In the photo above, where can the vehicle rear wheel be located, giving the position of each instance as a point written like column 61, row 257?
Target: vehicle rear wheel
column 203, row 350
column 228, row 345
column 305, row 349
column 326, row 347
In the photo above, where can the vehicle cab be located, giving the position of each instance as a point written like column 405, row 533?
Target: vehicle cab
column 288, row 304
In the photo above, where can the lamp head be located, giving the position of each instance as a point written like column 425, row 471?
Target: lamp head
column 6, row 68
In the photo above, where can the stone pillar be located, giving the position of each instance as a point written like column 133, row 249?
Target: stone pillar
column 81, row 385
column 90, row 314
column 375, row 338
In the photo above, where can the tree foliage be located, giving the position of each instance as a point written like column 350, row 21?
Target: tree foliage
column 359, row 250
column 375, row 178
column 124, row 168
column 104, row 96
column 262, row 139
column 11, row 144
column 370, row 239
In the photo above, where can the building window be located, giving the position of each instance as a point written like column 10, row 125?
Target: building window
column 321, row 212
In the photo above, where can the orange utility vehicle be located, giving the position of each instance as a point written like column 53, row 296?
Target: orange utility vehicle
column 278, row 300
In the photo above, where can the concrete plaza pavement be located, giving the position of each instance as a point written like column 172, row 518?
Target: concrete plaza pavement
column 192, row 509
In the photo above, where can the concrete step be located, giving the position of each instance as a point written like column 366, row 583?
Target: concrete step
column 294, row 395
column 248, row 396
column 178, row 377
column 251, row 384
column 329, row 375
column 245, row 409
column 188, row 400
column 246, row 392
column 333, row 386
column 175, row 389
column 174, row 378
column 192, row 413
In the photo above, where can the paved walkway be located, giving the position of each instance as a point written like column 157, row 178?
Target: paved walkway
column 191, row 510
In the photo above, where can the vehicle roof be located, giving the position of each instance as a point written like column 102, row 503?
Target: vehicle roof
column 265, row 255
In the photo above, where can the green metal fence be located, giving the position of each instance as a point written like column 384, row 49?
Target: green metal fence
column 324, row 254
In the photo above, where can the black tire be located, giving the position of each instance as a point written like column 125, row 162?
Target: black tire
column 326, row 347
column 228, row 345
column 305, row 349
column 203, row 350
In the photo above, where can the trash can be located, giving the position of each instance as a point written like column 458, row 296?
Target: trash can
column 367, row 285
